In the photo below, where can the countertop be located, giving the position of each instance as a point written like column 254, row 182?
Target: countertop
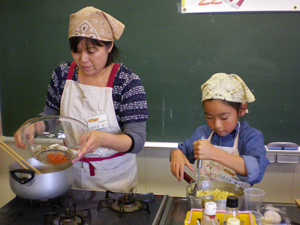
column 177, row 208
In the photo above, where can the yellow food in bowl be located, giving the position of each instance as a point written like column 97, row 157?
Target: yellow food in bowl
column 218, row 195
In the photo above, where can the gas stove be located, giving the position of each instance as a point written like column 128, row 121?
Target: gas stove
column 83, row 207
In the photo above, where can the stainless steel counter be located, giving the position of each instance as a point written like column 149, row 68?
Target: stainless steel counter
column 177, row 208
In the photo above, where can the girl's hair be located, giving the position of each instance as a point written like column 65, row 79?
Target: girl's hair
column 235, row 105
column 114, row 53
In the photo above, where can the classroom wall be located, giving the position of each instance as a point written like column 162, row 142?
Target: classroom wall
column 173, row 53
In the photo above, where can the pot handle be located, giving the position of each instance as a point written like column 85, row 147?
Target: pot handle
column 22, row 180
column 188, row 178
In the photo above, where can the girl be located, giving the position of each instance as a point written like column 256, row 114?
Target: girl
column 232, row 151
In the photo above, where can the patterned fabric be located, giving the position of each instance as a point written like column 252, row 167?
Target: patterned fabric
column 129, row 96
column 229, row 87
column 94, row 23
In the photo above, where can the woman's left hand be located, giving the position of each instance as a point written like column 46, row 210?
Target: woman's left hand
column 95, row 139
column 91, row 141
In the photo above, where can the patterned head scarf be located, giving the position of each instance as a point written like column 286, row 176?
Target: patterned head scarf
column 94, row 23
column 229, row 87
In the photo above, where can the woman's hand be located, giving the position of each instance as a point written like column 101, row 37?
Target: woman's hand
column 95, row 139
column 178, row 161
column 28, row 133
column 18, row 140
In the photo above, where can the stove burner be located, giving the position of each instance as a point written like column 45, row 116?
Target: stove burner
column 125, row 204
column 61, row 201
column 69, row 216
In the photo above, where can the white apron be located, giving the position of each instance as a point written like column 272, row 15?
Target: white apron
column 212, row 170
column 104, row 169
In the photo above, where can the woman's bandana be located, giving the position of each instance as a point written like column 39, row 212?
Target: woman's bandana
column 228, row 87
column 94, row 23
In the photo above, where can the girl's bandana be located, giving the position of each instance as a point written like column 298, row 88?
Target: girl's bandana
column 229, row 87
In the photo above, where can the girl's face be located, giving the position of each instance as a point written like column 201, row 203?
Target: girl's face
column 90, row 59
column 221, row 117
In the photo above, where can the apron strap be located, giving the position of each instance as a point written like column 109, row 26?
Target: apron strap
column 95, row 159
column 112, row 75
column 71, row 71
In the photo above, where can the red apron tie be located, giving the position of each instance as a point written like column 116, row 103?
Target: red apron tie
column 92, row 168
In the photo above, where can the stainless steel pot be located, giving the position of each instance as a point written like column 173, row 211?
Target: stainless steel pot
column 196, row 202
column 53, row 182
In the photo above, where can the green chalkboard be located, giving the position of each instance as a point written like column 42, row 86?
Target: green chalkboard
column 173, row 54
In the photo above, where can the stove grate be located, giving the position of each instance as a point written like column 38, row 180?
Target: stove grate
column 125, row 204
column 68, row 216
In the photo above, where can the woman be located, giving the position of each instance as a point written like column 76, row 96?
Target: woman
column 91, row 88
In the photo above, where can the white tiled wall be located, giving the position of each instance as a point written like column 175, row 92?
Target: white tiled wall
column 5, row 160
column 281, row 181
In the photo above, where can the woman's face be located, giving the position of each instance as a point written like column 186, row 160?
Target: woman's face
column 90, row 59
column 220, row 117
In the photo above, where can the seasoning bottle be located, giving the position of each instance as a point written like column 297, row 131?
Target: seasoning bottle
column 206, row 198
column 233, row 221
column 231, row 209
column 210, row 214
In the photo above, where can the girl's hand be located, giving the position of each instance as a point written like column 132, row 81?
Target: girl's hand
column 178, row 161
column 203, row 149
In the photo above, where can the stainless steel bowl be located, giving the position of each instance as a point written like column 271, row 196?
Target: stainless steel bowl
column 196, row 202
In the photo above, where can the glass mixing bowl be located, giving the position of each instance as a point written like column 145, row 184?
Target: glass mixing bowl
column 53, row 140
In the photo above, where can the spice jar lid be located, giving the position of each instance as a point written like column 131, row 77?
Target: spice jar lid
column 233, row 221
column 210, row 208
column 232, row 202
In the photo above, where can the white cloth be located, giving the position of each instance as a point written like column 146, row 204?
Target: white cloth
column 212, row 170
column 228, row 87
column 118, row 174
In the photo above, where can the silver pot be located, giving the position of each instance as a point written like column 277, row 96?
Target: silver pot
column 196, row 202
column 53, row 182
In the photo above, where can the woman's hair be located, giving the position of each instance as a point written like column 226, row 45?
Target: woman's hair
column 112, row 55
column 235, row 105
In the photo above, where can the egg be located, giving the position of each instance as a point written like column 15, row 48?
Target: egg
column 272, row 217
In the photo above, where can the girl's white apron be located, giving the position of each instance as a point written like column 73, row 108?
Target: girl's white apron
column 104, row 169
column 212, row 170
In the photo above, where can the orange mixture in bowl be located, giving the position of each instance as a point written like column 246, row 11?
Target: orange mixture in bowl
column 56, row 158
